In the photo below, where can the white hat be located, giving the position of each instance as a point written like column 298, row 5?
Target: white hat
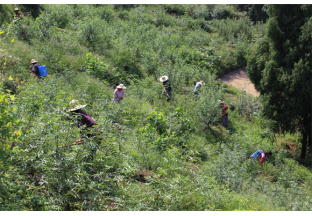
column 121, row 86
column 202, row 82
column 163, row 78
column 75, row 105
column 33, row 61
column 220, row 101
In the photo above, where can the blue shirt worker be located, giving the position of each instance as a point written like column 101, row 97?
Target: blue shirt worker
column 198, row 85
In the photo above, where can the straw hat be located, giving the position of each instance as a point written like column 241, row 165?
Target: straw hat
column 33, row 61
column 220, row 101
column 163, row 78
column 121, row 86
column 16, row 9
column 74, row 104
column 202, row 82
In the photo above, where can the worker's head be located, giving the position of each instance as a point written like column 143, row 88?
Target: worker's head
column 16, row 10
column 121, row 86
column 163, row 78
column 33, row 61
column 269, row 153
column 202, row 82
column 220, row 102
column 75, row 106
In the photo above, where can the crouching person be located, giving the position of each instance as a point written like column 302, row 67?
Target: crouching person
column 86, row 124
column 260, row 155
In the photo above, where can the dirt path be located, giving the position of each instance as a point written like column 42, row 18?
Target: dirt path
column 239, row 79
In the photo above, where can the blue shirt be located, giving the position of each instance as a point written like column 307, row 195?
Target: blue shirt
column 197, row 86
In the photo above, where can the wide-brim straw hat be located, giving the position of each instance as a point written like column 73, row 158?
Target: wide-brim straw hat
column 163, row 78
column 16, row 9
column 121, row 86
column 220, row 101
column 202, row 82
column 75, row 105
column 33, row 61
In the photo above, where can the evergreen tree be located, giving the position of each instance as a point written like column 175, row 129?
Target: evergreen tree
column 256, row 12
column 280, row 68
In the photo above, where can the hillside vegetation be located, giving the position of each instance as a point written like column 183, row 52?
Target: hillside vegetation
column 155, row 154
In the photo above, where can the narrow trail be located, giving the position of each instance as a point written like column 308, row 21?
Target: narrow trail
column 239, row 79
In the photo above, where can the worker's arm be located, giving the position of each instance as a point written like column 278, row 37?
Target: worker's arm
column 32, row 71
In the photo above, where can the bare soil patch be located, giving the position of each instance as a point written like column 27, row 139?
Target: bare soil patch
column 239, row 79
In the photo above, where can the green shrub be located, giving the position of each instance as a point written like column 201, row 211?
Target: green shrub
column 176, row 9
column 6, row 13
column 106, row 12
column 61, row 14
column 97, row 68
column 229, row 27
column 95, row 34
column 128, row 64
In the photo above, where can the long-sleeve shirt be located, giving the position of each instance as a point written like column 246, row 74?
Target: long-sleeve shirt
column 197, row 86
column 35, row 69
column 167, row 85
column 224, row 110
column 87, row 120
column 119, row 94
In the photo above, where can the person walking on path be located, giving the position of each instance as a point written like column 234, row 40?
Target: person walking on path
column 224, row 113
column 198, row 85
column 119, row 93
column 35, row 69
column 85, row 122
column 166, row 86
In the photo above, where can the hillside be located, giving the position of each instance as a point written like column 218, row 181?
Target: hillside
column 155, row 155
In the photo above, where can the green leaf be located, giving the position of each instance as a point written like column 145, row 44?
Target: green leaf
column 2, row 156
column 10, row 78
column 12, row 40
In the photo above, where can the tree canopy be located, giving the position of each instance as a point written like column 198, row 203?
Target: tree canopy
column 280, row 68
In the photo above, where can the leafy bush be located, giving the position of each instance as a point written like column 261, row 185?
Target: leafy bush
column 106, row 13
column 229, row 27
column 95, row 34
column 6, row 13
column 97, row 68
column 128, row 62
column 61, row 14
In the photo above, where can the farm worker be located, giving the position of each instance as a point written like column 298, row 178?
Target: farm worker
column 260, row 155
column 198, row 85
column 224, row 113
column 119, row 93
column 34, row 68
column 83, row 120
column 16, row 11
column 166, row 86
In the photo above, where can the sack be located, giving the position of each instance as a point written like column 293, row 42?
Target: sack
column 256, row 154
column 43, row 71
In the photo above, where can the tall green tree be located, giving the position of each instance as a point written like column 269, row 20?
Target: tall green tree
column 256, row 12
column 280, row 68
